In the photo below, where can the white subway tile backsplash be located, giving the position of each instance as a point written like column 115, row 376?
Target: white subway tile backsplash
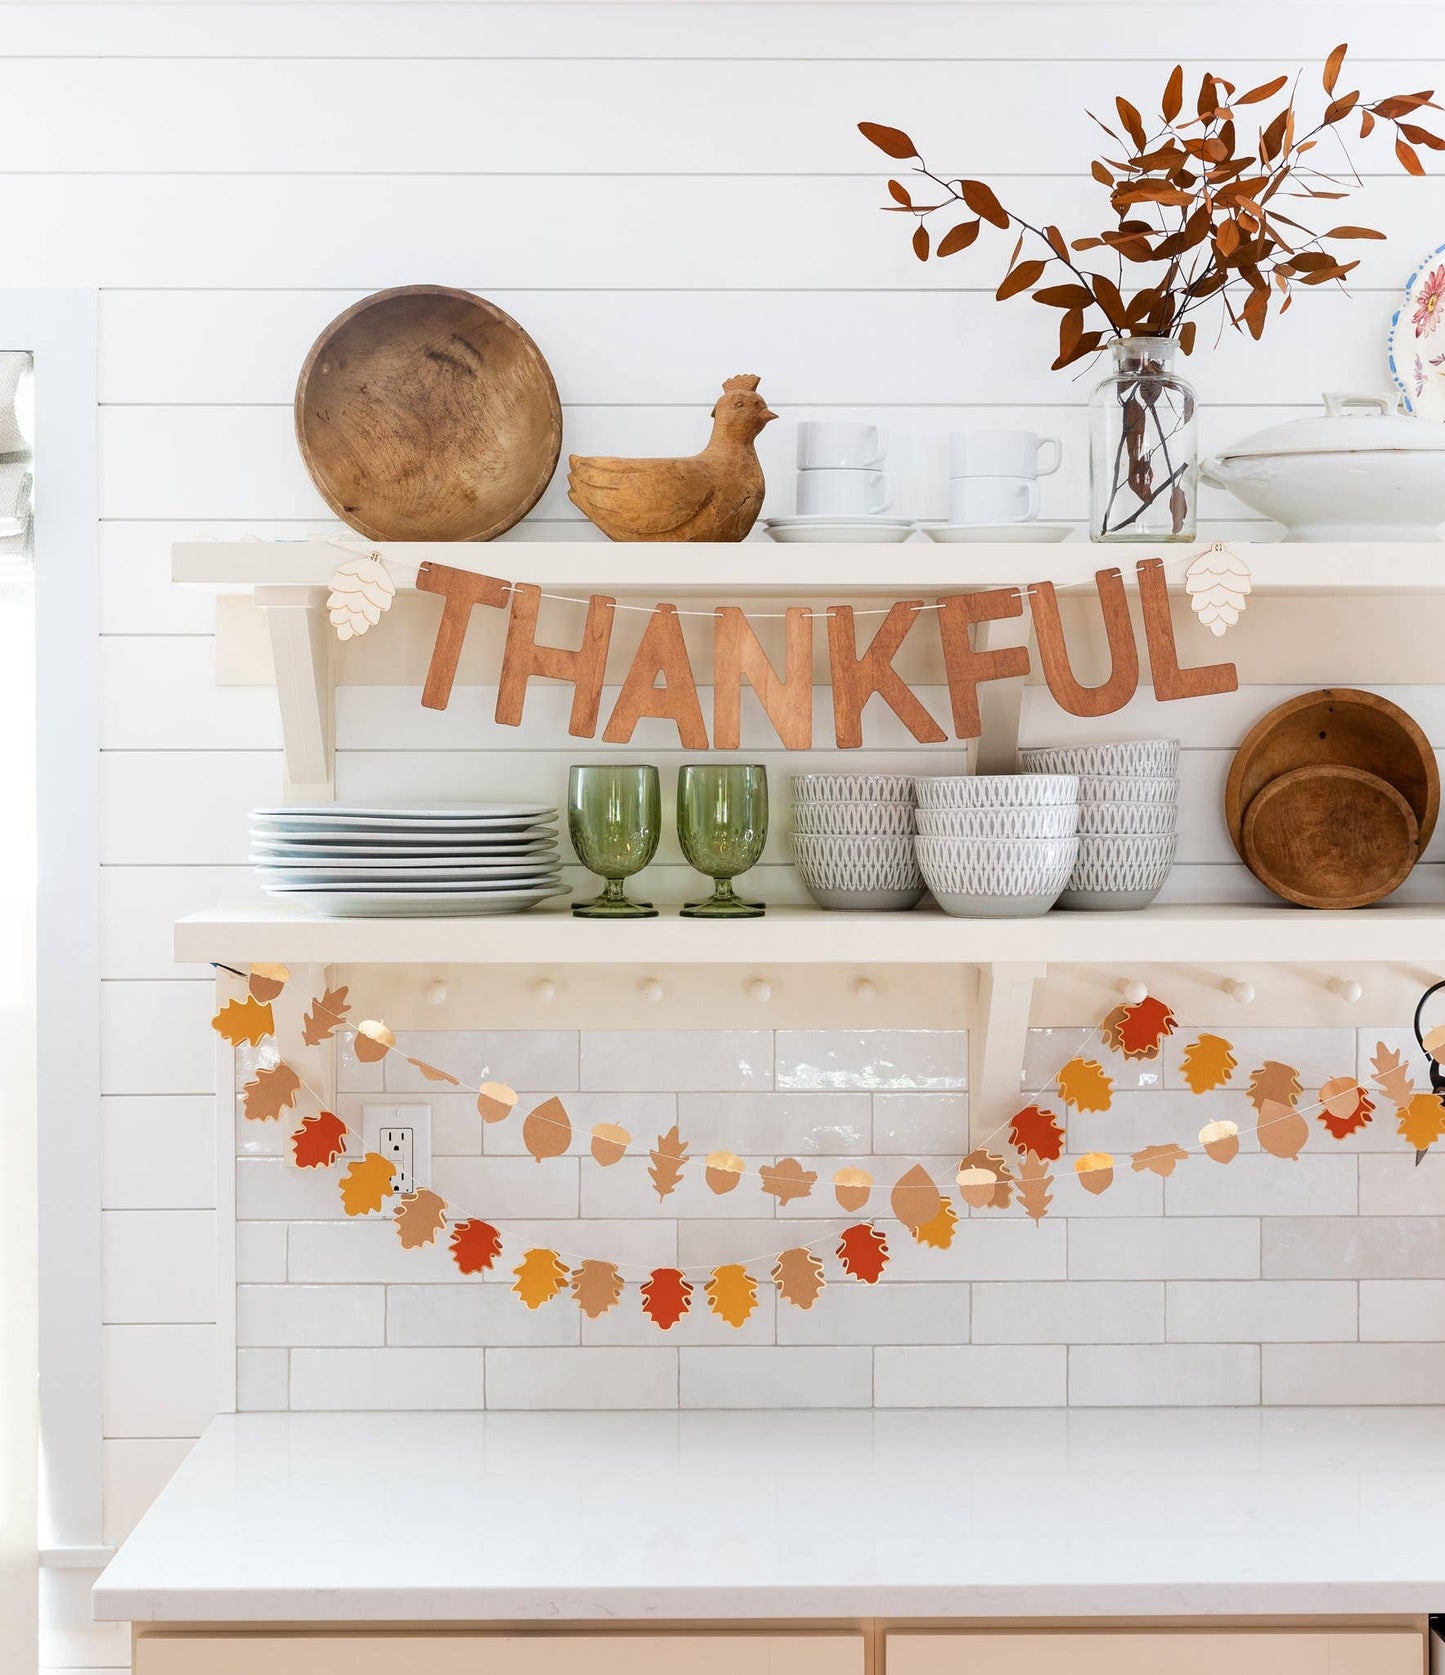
column 274, row 1189
column 969, row 1375
column 879, row 1314
column 263, row 1380
column 1402, row 1311
column 625, row 1189
column 986, row 1246
column 158, row 1266
column 1069, row 1311
column 1163, row 1375
column 261, row 1252
column 523, row 1058
column 1395, row 1186
column 1165, row 1248
column 385, row 1380
column 912, row 1124
column 507, row 1187
column 1353, row 1374
column 157, row 1381
column 474, row 1315
column 775, row 1377
column 1047, row 1051
column 582, row 1378
column 872, row 1058
column 1264, row 1186
column 317, row 1315
column 158, row 1152
column 1261, row 1311
column 643, row 1115
column 677, row 1060
column 768, row 1124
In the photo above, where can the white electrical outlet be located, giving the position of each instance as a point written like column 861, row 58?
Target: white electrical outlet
column 402, row 1134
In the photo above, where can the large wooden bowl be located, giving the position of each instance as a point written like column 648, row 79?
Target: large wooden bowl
column 427, row 414
column 1329, row 836
column 1335, row 727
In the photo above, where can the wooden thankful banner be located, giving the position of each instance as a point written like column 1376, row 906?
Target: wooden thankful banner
column 660, row 683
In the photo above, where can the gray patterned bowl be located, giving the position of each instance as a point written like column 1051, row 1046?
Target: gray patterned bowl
column 1049, row 820
column 1140, row 788
column 997, row 790
column 1124, row 758
column 997, row 878
column 859, row 874
column 852, row 788
column 1128, row 819
column 854, row 819
column 1118, row 874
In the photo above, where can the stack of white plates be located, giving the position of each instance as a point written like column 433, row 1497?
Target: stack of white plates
column 380, row 863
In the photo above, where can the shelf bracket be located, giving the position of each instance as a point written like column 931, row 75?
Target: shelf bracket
column 297, row 625
column 1000, row 1037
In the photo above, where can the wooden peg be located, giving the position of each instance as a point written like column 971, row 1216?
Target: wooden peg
column 1240, row 991
column 966, row 668
column 661, row 651
column 544, row 989
column 866, row 990
column 738, row 655
column 1133, row 992
column 1347, row 989
column 760, row 990
column 461, row 589
column 435, row 994
column 856, row 679
column 1123, row 681
column 650, row 988
column 1170, row 681
column 585, row 668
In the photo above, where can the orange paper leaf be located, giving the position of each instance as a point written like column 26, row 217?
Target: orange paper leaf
column 420, row 1216
column 798, row 1275
column 1083, row 1084
column 1422, row 1121
column 863, row 1251
column 1158, row 1160
column 915, row 1198
column 323, row 1015
column 1033, row 1186
column 366, row 1182
column 547, row 1131
column 1282, row 1131
column 1344, row 1106
column 668, row 1158
column 1036, row 1130
column 541, row 1274
column 1273, row 1083
column 475, row 1246
column 939, row 1231
column 1208, row 1063
column 432, row 1074
column 787, row 1179
column 319, row 1141
column 272, row 1092
column 732, row 1293
column 1143, row 1028
column 666, row 1297
column 244, row 1022
column 596, row 1286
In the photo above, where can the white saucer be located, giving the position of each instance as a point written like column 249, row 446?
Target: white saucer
column 830, row 526
column 996, row 532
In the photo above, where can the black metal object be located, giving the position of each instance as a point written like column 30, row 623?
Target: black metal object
column 1437, row 1072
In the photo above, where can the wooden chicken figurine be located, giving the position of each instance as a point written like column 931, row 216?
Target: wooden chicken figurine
column 712, row 496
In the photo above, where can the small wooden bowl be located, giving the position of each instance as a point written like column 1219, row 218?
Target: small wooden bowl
column 1330, row 836
column 1338, row 727
column 427, row 414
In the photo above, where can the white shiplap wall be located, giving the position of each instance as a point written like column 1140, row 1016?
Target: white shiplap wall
column 664, row 194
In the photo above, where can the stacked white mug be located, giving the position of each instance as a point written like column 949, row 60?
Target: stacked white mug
column 838, row 470
column 993, row 475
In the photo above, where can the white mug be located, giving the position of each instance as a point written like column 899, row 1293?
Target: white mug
column 844, row 494
column 827, row 445
column 993, row 500
column 1002, row 453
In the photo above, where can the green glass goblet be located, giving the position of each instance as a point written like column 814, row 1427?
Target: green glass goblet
column 615, row 817
column 722, row 822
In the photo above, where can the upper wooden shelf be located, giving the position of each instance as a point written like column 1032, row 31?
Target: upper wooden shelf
column 669, row 569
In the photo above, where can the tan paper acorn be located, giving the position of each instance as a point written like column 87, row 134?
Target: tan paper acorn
column 1220, row 1141
column 1095, row 1171
column 268, row 981
column 361, row 593
column 373, row 1040
column 495, row 1101
column 851, row 1187
column 977, row 1185
column 610, row 1141
column 724, row 1171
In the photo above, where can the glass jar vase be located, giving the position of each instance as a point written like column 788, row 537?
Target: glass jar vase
column 1143, row 452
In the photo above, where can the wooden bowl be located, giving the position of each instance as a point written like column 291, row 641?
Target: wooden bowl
column 427, row 414
column 1329, row 836
column 1335, row 727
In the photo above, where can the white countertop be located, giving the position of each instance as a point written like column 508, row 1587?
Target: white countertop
column 638, row 1516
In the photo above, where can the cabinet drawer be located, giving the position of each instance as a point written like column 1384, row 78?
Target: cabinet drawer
column 1148, row 1652
column 499, row 1654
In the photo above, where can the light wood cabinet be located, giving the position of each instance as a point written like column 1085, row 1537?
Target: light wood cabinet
column 1156, row 1652
column 483, row 1654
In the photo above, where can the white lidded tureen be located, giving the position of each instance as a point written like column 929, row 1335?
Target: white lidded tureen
column 1361, row 471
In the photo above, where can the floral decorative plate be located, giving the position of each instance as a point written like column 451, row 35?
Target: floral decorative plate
column 1417, row 339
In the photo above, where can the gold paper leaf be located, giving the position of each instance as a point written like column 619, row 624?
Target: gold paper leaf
column 366, row 1182
column 266, row 982
column 668, row 1156
column 420, row 1216
column 798, row 1275
column 547, row 1132
column 939, row 1231
column 1422, row 1121
column 1083, row 1084
column 732, row 1293
column 1208, row 1063
column 244, row 1022
column 361, row 593
column 541, row 1274
column 1095, row 1171
column 596, row 1286
column 787, row 1180
column 610, row 1141
column 273, row 1092
column 325, row 1012
column 495, row 1101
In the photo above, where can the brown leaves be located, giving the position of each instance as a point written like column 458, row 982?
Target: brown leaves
column 938, row 1231
column 863, row 1251
column 1344, row 1106
column 323, row 1015
column 892, row 142
column 1333, row 65
column 1158, row 1160
column 547, row 1131
column 319, row 1141
column 1390, row 1075
column 244, row 1022
column 1038, row 1131
column 272, row 1092
column 596, row 1286
column 365, row 1184
column 669, row 1156
column 420, row 1216
column 1020, row 279
column 1208, row 1063
column 957, row 238
column 981, row 200
column 1084, row 1086
column 787, row 1179
column 732, row 1293
column 666, row 1297
column 1273, row 1081
column 475, row 1246
column 540, row 1275
column 1033, row 1186
column 798, row 1275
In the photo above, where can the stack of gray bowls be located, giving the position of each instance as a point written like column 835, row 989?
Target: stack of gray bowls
column 1128, row 818
column 853, row 841
column 996, row 846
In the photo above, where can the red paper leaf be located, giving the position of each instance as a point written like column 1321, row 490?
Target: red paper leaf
column 1036, row 1130
column 666, row 1297
column 1143, row 1027
column 863, row 1251
column 475, row 1246
column 319, row 1141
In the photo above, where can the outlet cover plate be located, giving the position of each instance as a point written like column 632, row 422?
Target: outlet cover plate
column 417, row 1118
